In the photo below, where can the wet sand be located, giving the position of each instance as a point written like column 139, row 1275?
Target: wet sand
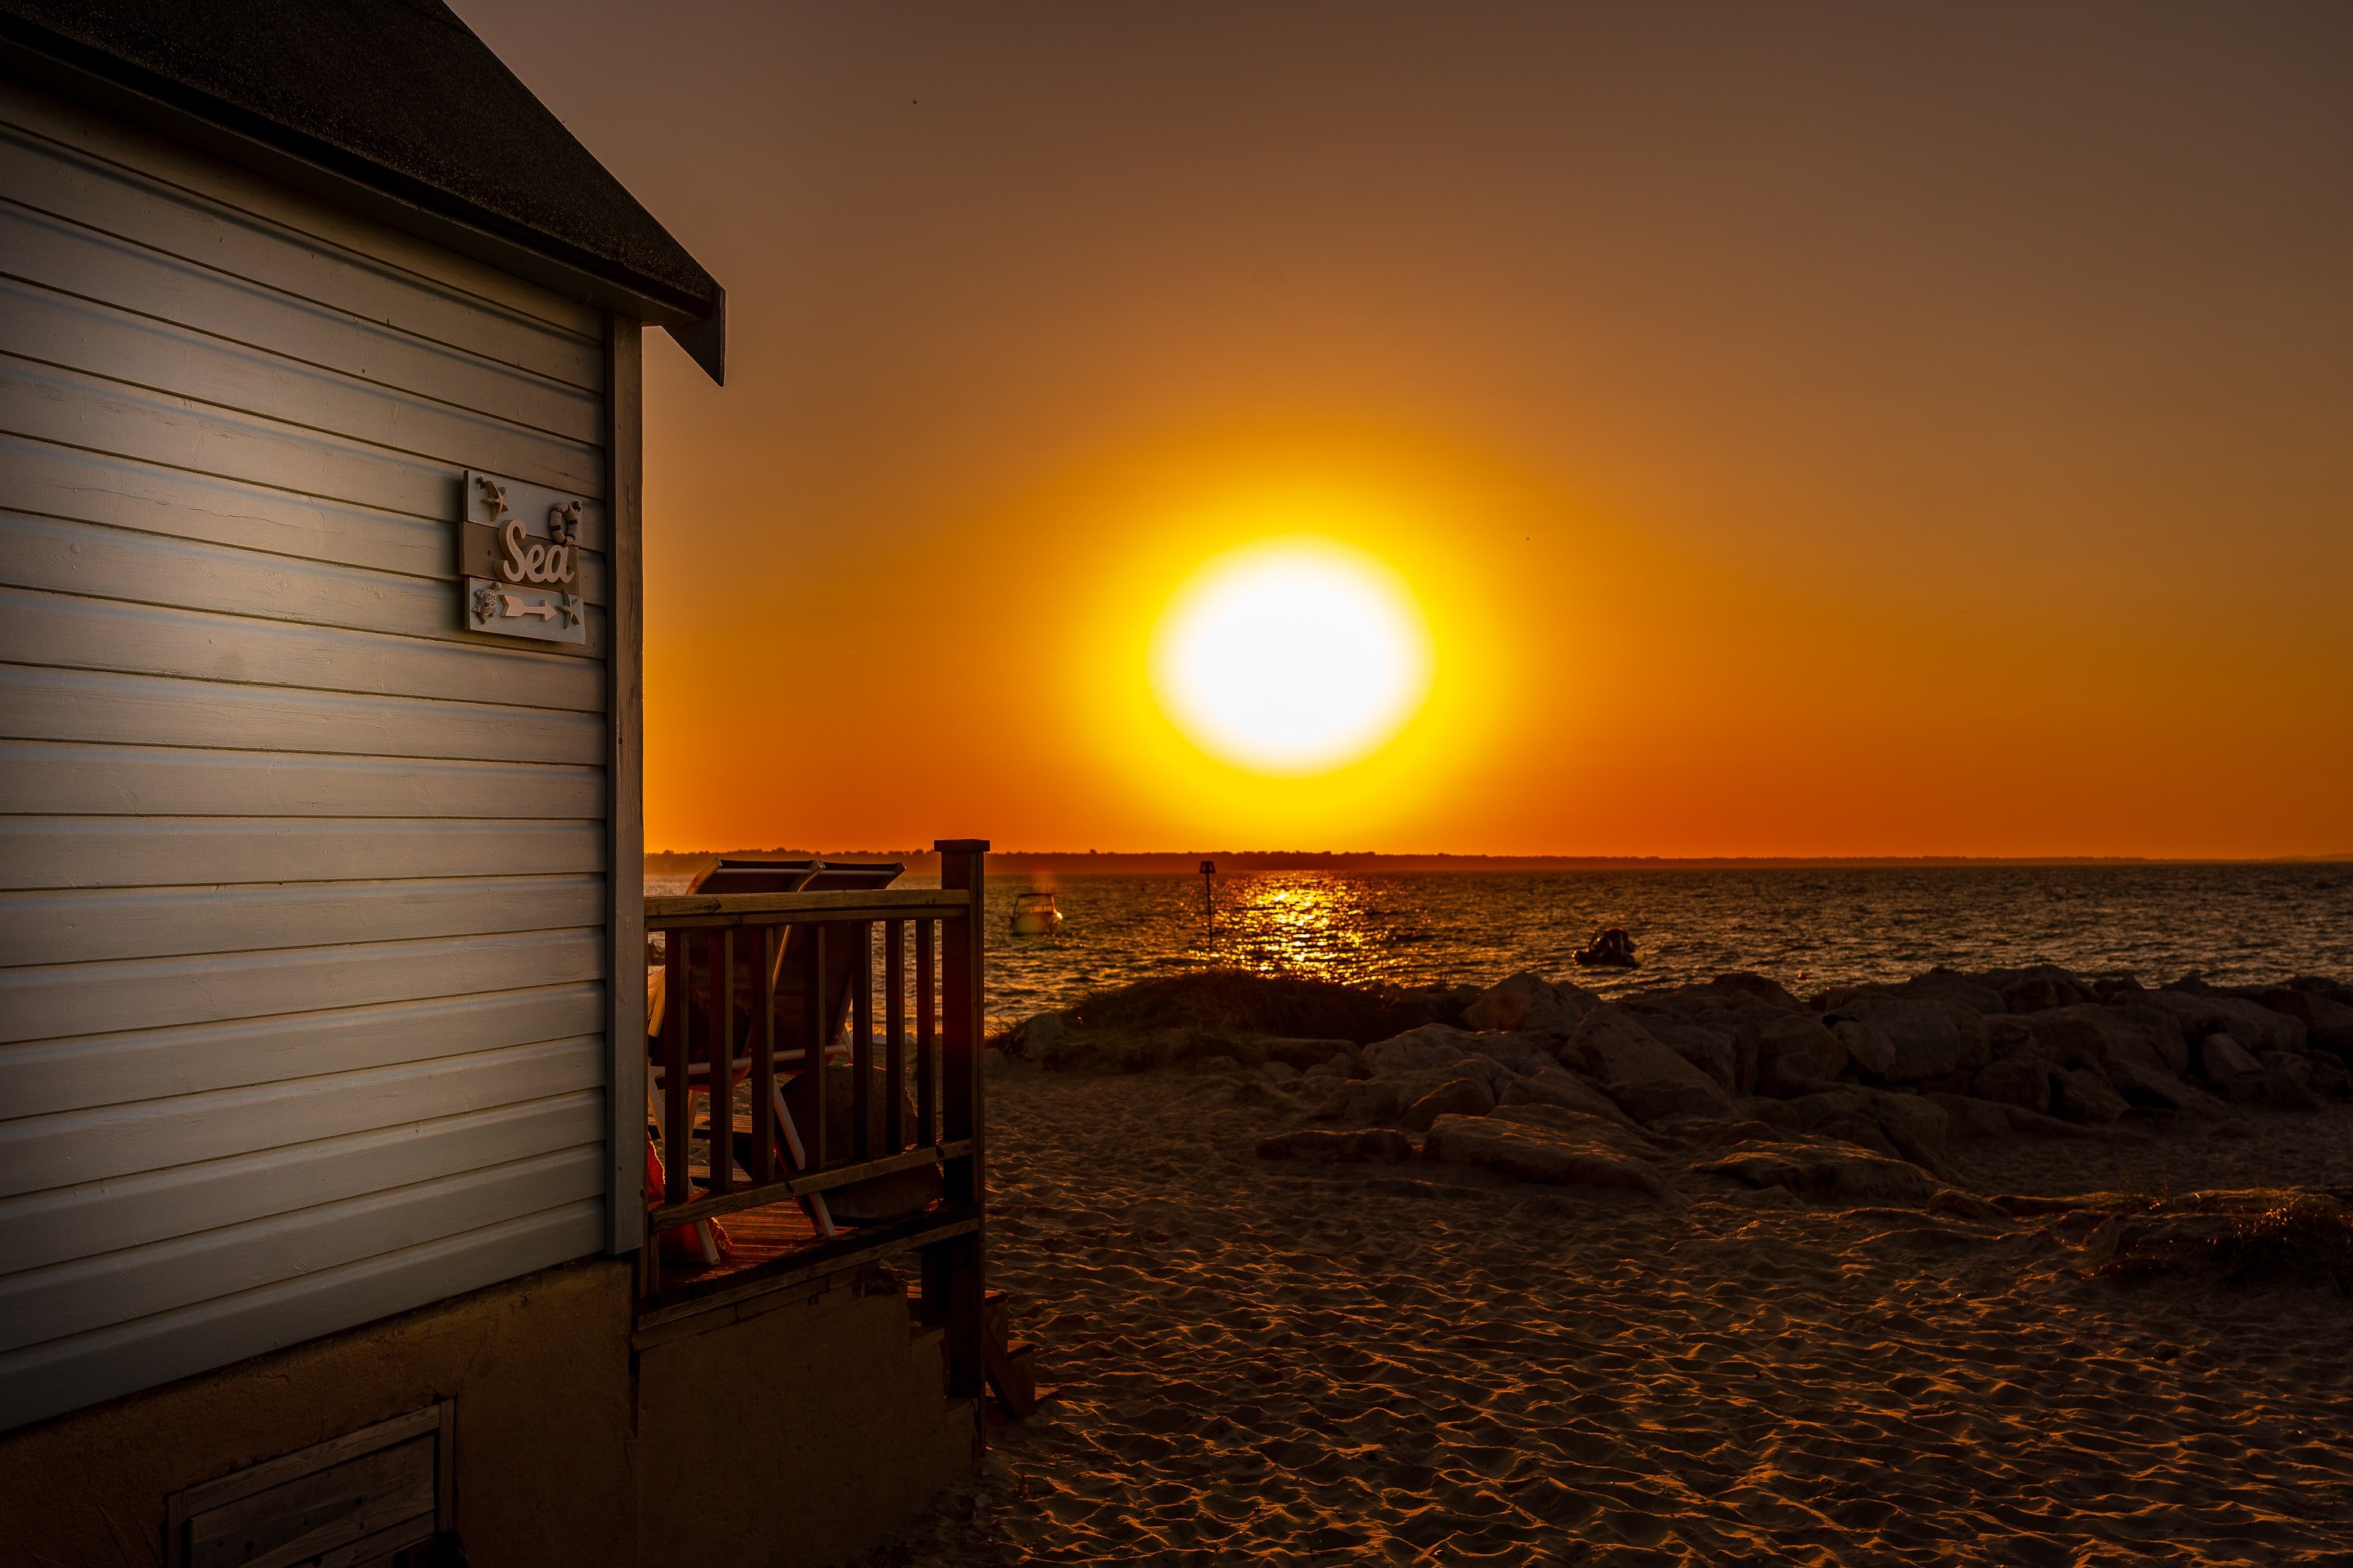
column 1280, row 1361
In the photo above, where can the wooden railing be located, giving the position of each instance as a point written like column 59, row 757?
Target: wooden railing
column 781, row 986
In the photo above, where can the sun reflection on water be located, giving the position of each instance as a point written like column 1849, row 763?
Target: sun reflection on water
column 1300, row 924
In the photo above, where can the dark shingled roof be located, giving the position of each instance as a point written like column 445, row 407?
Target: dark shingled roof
column 399, row 96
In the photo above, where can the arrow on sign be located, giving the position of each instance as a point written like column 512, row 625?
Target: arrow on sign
column 510, row 605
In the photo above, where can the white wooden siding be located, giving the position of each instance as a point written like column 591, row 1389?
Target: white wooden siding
column 305, row 945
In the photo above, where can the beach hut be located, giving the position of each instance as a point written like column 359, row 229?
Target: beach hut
column 323, row 985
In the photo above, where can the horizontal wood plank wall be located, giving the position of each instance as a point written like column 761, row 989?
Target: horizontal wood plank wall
column 306, row 926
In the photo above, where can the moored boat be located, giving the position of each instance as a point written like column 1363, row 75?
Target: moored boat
column 1034, row 914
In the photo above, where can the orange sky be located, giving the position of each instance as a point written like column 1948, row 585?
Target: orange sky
column 1811, row 430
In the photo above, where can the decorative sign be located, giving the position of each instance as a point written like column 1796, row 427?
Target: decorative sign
column 518, row 546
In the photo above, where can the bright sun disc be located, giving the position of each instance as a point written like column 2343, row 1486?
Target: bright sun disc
column 1292, row 657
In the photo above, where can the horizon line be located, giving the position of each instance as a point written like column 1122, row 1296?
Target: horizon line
column 1539, row 860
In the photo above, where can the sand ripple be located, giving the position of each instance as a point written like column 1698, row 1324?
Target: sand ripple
column 1318, row 1365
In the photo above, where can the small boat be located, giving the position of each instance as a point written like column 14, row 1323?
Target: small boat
column 1034, row 914
column 1612, row 949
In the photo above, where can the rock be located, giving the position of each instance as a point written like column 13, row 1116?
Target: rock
column 1773, row 1113
column 2331, row 1077
column 2287, row 1081
column 1634, row 1068
column 2223, row 1058
column 1561, row 1089
column 1942, row 985
column 1931, row 1036
column 1863, row 1132
column 1360, row 1102
column 1377, row 1145
column 1557, row 1156
column 2324, row 1008
column 1037, row 1037
column 1827, row 1172
column 2033, row 989
column 2082, row 1095
column 1868, row 1048
column 1305, row 1055
column 2023, row 1081
column 1796, row 1054
column 1525, row 1002
column 1757, row 986
column 1914, row 1124
column 1967, row 1118
column 1431, row 1045
column 1524, row 1055
column 2115, row 1034
column 1280, row 1072
column 2012, row 1037
column 1712, row 1051
column 993, row 1061
column 1458, row 1097
column 2257, row 1028
column 2138, row 1050
column 1810, row 1109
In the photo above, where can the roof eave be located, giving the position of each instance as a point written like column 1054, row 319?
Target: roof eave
column 699, row 326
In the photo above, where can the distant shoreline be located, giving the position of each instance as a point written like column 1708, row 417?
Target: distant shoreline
column 1067, row 863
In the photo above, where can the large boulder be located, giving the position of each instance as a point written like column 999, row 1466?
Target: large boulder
column 1639, row 1071
column 1524, row 1001
column 2203, row 1013
column 1557, row 1155
column 2081, row 1095
column 1714, row 1052
column 2023, row 1080
column 1361, row 1102
column 1522, row 1055
column 2094, row 1034
column 1457, row 1096
column 2223, row 1058
column 1769, row 992
column 2036, row 987
column 1795, row 1054
column 1431, row 1045
column 1914, row 1124
column 1868, row 1048
column 1562, row 1088
column 2325, row 1009
column 1932, row 1037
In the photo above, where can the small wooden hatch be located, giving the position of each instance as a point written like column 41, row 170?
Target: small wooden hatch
column 351, row 1502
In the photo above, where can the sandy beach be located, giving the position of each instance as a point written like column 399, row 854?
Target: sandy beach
column 1290, row 1360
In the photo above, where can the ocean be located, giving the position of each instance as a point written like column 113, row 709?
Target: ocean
column 1806, row 928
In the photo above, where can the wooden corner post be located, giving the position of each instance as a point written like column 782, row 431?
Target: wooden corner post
column 955, row 1284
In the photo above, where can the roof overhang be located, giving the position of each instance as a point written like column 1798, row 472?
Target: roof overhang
column 699, row 326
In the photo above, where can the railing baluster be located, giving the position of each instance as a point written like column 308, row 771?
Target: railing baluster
column 894, row 1034
column 764, row 1062
column 955, row 1272
column 861, row 1043
column 718, row 1082
column 677, row 987
column 927, row 1041
column 820, row 1023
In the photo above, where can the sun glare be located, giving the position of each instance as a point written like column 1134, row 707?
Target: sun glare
column 1293, row 655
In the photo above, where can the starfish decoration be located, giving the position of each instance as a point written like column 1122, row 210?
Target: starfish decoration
column 495, row 494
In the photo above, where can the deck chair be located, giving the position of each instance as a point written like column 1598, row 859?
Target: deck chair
column 794, row 1045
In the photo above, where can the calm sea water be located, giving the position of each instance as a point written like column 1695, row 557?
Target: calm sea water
column 1807, row 928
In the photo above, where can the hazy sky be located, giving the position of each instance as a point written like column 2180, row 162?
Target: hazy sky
column 1811, row 429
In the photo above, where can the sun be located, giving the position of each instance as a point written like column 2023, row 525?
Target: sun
column 1292, row 656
